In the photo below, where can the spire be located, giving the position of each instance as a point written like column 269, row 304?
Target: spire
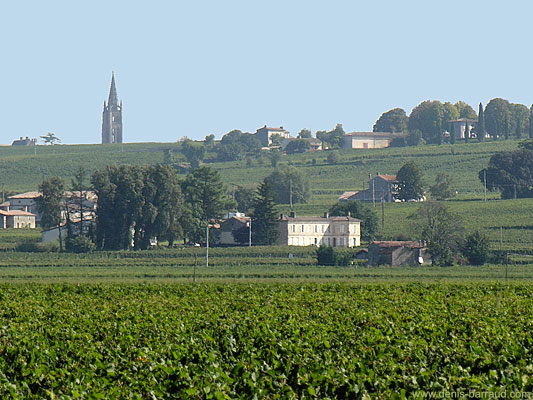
column 113, row 98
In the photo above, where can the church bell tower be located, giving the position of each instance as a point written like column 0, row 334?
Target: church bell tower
column 112, row 116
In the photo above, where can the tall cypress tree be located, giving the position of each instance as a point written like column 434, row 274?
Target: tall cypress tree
column 264, row 217
column 452, row 134
column 531, row 123
column 480, row 128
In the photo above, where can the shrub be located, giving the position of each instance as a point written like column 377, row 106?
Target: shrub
column 79, row 244
column 476, row 248
column 327, row 255
column 37, row 247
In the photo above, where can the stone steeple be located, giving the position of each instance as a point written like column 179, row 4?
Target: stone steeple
column 112, row 116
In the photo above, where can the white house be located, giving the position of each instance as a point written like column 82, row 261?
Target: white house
column 316, row 231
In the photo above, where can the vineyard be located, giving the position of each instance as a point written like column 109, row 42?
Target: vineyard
column 298, row 340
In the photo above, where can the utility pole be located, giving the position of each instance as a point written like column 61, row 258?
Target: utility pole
column 373, row 190
column 207, row 245
column 382, row 214
column 484, row 185
column 514, row 191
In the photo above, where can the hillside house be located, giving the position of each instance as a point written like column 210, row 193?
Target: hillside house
column 462, row 127
column 265, row 134
column 316, row 231
column 24, row 142
column 380, row 187
column 369, row 140
column 16, row 219
column 397, row 253
column 230, row 225
column 25, row 202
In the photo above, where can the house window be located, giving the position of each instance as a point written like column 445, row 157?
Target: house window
column 323, row 228
column 316, row 229
column 354, row 242
column 342, row 229
column 316, row 242
column 303, row 228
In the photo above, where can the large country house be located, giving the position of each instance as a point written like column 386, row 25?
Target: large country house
column 316, row 231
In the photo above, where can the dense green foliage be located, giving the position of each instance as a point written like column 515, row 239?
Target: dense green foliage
column 269, row 341
column 394, row 120
column 440, row 229
column 476, row 248
column 289, row 185
column 359, row 210
column 410, row 182
column 264, row 217
column 510, row 172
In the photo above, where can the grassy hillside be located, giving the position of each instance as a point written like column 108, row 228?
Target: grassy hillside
column 24, row 170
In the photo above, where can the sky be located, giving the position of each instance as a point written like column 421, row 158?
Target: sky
column 194, row 68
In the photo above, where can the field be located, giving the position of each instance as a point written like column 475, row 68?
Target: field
column 258, row 323
column 277, row 340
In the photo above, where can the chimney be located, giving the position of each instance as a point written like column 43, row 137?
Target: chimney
column 326, row 215
column 292, row 214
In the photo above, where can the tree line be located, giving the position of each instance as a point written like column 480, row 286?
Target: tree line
column 430, row 120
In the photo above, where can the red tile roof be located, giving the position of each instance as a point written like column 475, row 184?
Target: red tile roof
column 397, row 243
column 388, row 178
column 16, row 213
column 26, row 195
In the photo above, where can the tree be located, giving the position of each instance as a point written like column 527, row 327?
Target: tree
column 193, row 153
column 289, row 182
column 531, row 122
column 394, row 120
column 410, row 182
column 327, row 255
column 333, row 138
column 275, row 156
column 333, row 157
column 244, row 198
column 452, row 134
column 443, row 188
column 276, row 139
column 414, row 138
column 465, row 110
column 79, row 199
column 304, row 134
column 162, row 207
column 359, row 210
column 230, row 152
column 204, row 190
column 209, row 140
column 480, row 127
column 510, row 172
column 428, row 117
column 297, row 146
column 264, row 217
column 440, row 229
column 497, row 118
column 50, row 204
column 476, row 248
column 120, row 204
column 50, row 138
column 519, row 116
column 450, row 113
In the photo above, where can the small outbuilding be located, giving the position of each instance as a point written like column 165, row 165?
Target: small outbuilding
column 397, row 253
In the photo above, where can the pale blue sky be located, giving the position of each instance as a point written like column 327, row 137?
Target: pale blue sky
column 191, row 68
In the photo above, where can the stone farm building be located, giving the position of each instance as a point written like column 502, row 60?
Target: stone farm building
column 397, row 253
column 265, row 134
column 16, row 219
column 380, row 187
column 369, row 140
column 316, row 231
